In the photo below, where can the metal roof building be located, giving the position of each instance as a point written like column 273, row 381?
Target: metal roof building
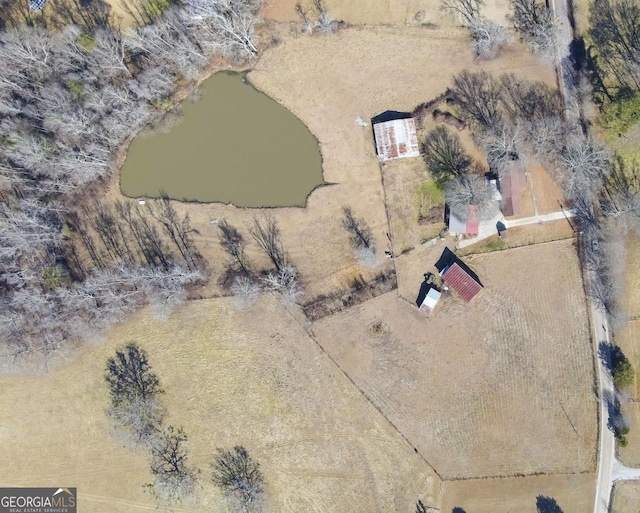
column 396, row 139
column 430, row 301
column 469, row 226
column 461, row 281
column 512, row 182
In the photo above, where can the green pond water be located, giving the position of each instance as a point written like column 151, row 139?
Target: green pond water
column 234, row 145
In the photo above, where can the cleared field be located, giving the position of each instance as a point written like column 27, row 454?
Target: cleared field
column 573, row 493
column 253, row 378
column 626, row 498
column 497, row 387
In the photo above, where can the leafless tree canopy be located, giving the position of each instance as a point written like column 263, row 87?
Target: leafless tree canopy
column 358, row 229
column 467, row 10
column 488, row 38
column 444, row 155
column 614, row 26
column 468, row 190
column 175, row 480
column 266, row 233
column 479, row 97
column 536, row 24
column 233, row 243
column 316, row 18
column 237, row 474
column 129, row 375
column 585, row 165
column 68, row 99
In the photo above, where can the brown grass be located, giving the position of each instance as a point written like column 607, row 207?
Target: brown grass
column 397, row 12
column 523, row 236
column 573, row 493
column 628, row 337
column 253, row 378
column 626, row 497
column 500, row 386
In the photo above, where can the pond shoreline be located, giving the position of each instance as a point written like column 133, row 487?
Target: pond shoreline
column 277, row 176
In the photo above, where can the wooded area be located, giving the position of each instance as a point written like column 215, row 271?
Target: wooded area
column 70, row 96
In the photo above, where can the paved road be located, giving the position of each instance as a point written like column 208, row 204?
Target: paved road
column 488, row 228
column 622, row 473
column 563, row 214
column 607, row 443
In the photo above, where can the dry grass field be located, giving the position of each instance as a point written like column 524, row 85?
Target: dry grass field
column 388, row 12
column 626, row 498
column 628, row 338
column 500, row 386
column 573, row 493
column 253, row 378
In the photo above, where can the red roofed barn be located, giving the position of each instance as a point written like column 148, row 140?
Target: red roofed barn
column 461, row 281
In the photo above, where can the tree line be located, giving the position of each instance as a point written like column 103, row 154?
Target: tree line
column 70, row 96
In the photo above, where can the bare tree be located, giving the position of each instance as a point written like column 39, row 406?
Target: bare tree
column 479, row 97
column 266, row 233
column 325, row 23
column 175, row 481
column 246, row 292
column 529, row 100
column 239, row 476
column 488, row 38
column 358, row 229
column 467, row 10
column 233, row 243
column 303, row 13
column 536, row 24
column 469, row 190
column 284, row 282
column 129, row 375
column 501, row 143
column 445, row 156
column 585, row 165
column 613, row 29
column 137, row 421
column 620, row 196
column 228, row 26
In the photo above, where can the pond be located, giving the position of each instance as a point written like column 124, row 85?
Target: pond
column 234, row 145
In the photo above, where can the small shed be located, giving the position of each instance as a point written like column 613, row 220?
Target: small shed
column 430, row 301
column 396, row 138
column 512, row 183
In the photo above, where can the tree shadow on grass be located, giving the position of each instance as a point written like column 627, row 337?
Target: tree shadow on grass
column 547, row 505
